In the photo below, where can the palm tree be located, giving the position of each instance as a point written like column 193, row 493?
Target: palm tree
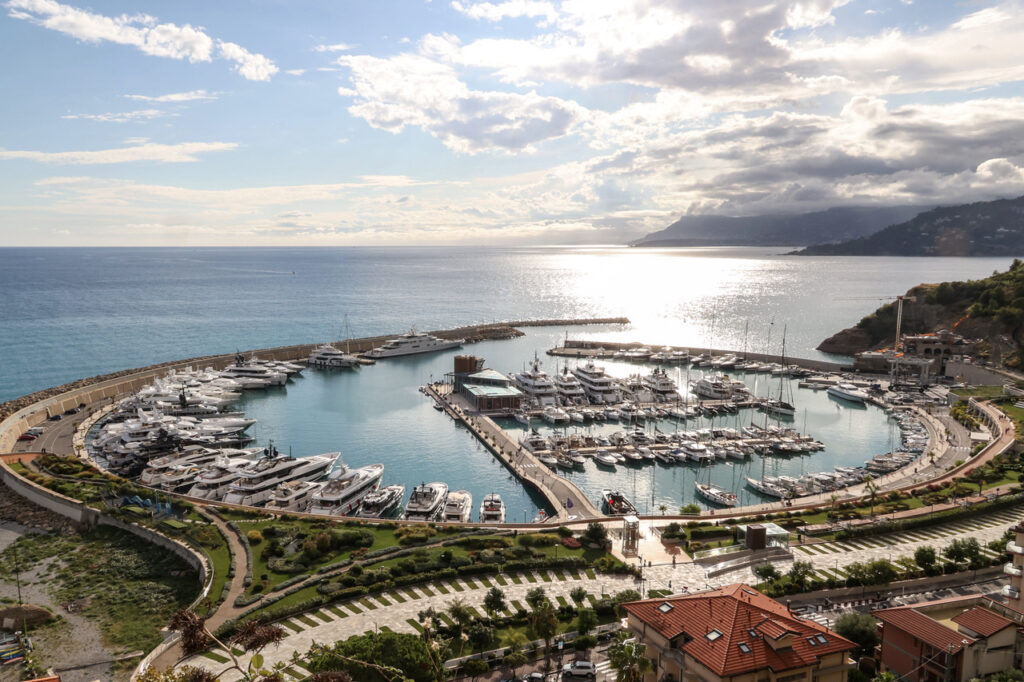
column 662, row 508
column 630, row 661
column 544, row 622
column 871, row 488
column 515, row 657
column 462, row 616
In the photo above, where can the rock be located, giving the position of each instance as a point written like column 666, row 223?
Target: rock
column 847, row 342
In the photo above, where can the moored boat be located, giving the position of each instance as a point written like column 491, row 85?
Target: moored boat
column 492, row 509
column 379, row 503
column 458, row 507
column 426, row 502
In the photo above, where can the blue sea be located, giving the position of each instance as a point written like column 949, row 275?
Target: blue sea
column 72, row 313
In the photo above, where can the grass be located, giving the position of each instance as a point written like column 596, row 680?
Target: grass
column 415, row 625
column 501, row 580
column 353, row 608
column 365, row 601
column 456, row 586
column 397, row 597
column 337, row 612
column 306, row 620
column 291, row 626
column 531, row 577
column 590, row 574
column 517, row 579
column 441, row 588
column 979, row 392
column 425, row 589
column 470, row 584
column 215, row 657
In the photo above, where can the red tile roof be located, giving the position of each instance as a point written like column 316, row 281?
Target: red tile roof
column 983, row 621
column 735, row 611
column 918, row 625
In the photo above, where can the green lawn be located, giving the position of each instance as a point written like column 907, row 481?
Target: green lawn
column 979, row 392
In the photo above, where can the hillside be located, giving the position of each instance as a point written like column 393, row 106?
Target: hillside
column 988, row 228
column 990, row 308
column 833, row 225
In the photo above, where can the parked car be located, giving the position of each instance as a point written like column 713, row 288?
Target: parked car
column 56, row 418
column 584, row 669
column 27, row 436
column 73, row 410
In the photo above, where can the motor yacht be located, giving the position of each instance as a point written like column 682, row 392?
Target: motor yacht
column 570, row 391
column 769, row 489
column 345, row 489
column 662, row 386
column 458, row 507
column 599, row 388
column 243, row 371
column 257, row 480
column 537, row 385
column 426, row 502
column 616, row 504
column 846, row 391
column 413, row 343
column 329, row 357
column 292, row 496
column 380, row 503
column 211, row 483
column 555, row 415
column 492, row 509
column 605, row 458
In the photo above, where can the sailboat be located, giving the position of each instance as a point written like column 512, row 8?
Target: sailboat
column 715, row 494
column 777, row 407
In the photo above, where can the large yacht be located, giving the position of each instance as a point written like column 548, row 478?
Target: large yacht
column 381, row 502
column 212, row 482
column 329, row 357
column 412, row 343
column 426, row 502
column 243, row 371
column 570, row 391
column 599, row 387
column 190, row 455
column 293, row 496
column 712, row 493
column 719, row 387
column 537, row 385
column 458, row 508
column 848, row 392
column 257, row 480
column 662, row 386
column 346, row 490
column 492, row 509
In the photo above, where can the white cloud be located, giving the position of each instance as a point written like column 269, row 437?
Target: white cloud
column 190, row 96
column 141, row 31
column 510, row 8
column 123, row 116
column 337, row 47
column 413, row 90
column 165, row 153
column 295, row 72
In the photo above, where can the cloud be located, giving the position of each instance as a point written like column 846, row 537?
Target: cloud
column 165, row 153
column 295, row 72
column 190, row 96
column 122, row 117
column 141, row 31
column 337, row 47
column 511, row 8
column 411, row 90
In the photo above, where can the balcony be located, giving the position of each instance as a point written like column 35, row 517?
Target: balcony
column 1011, row 592
column 1014, row 548
column 1010, row 569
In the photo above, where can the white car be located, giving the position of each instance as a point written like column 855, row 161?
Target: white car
column 584, row 669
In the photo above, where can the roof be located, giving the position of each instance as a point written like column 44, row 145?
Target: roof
column 745, row 618
column 928, row 630
column 489, row 375
column 983, row 621
column 493, row 391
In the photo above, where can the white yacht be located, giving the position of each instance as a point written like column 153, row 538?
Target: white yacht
column 329, row 357
column 492, row 509
column 243, row 371
column 293, row 496
column 346, row 490
column 598, row 386
column 767, row 488
column 555, row 415
column 537, row 385
column 413, row 343
column 662, row 386
column 458, row 507
column 212, row 482
column 719, row 387
column 257, row 480
column 848, row 392
column 380, row 502
column 712, row 493
column 569, row 388
column 426, row 502
column 189, row 456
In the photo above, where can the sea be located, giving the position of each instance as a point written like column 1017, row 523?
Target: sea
column 68, row 313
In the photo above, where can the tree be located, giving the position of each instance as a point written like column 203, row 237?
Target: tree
column 881, row 572
column 885, row 677
column 766, row 572
column 383, row 656
column 629, row 659
column 251, row 637
column 481, row 636
column 544, row 622
column 513, row 660
column 586, row 621
column 871, row 490
column 535, row 597
column 859, row 628
column 689, row 509
column 595, row 534
column 963, row 549
column 800, row 571
column 924, row 556
column 621, row 598
column 578, row 594
column 475, row 666
column 494, row 601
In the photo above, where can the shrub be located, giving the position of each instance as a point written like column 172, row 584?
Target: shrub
column 538, row 539
column 571, row 543
column 595, row 534
column 565, row 531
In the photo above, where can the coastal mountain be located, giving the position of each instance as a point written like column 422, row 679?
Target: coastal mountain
column 990, row 308
column 820, row 227
column 987, row 228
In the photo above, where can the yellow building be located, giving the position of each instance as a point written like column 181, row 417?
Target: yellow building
column 737, row 634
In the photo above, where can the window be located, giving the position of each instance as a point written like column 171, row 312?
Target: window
column 744, row 648
column 821, row 639
column 812, row 641
column 713, row 635
column 665, row 608
column 752, row 633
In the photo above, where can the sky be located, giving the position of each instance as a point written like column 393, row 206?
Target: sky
column 289, row 122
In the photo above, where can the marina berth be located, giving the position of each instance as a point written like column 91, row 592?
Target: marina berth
column 413, row 343
column 345, row 489
column 458, row 508
column 380, row 503
column 257, row 480
column 492, row 509
column 426, row 502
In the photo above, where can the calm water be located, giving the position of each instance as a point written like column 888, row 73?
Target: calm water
column 71, row 313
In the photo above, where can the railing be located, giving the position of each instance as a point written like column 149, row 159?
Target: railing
column 1014, row 548
column 1010, row 569
column 1011, row 592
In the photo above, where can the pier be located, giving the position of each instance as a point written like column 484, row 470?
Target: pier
column 564, row 496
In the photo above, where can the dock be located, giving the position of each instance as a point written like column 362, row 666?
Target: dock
column 565, row 497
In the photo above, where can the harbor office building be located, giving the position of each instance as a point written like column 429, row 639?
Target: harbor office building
column 486, row 390
column 735, row 634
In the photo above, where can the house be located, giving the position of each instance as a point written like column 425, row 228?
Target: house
column 948, row 640
column 735, row 633
column 1015, row 569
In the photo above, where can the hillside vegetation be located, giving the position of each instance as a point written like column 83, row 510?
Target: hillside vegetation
column 988, row 228
column 985, row 308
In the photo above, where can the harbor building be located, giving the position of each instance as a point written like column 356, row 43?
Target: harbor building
column 735, row 634
column 484, row 389
column 949, row 640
